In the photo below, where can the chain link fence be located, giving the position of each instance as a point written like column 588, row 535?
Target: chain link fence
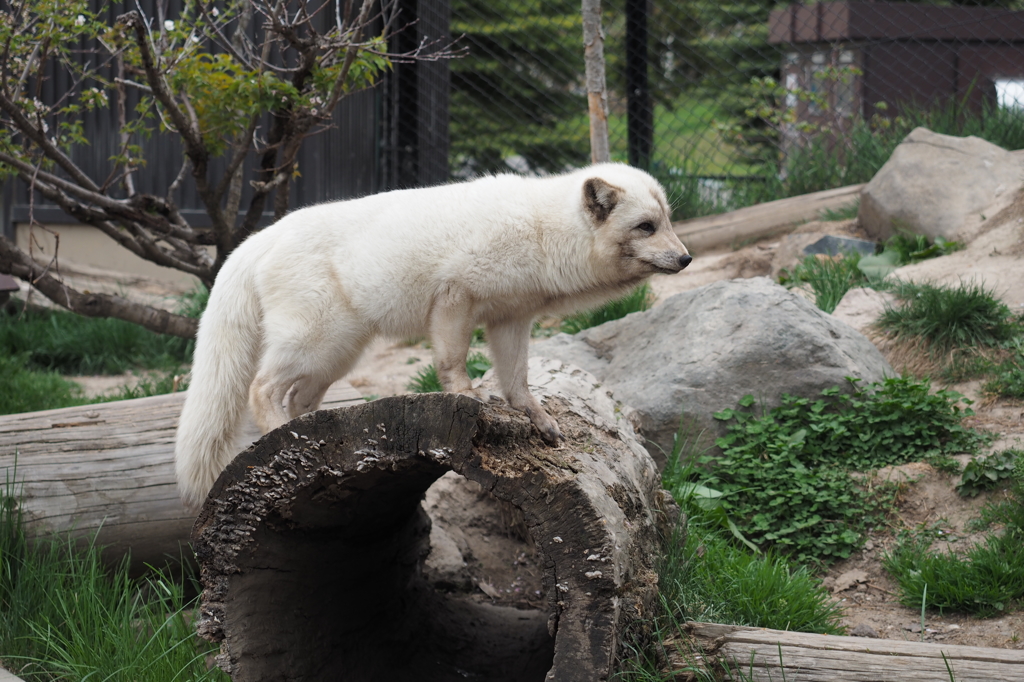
column 732, row 103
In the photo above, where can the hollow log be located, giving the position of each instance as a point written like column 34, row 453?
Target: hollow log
column 760, row 654
column 106, row 471
column 311, row 542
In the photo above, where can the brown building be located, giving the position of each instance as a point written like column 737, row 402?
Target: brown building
column 860, row 59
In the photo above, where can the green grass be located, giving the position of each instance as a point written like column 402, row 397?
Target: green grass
column 65, row 616
column 784, row 474
column 710, row 578
column 25, row 390
column 1007, row 378
column 63, row 342
column 843, row 213
column 828, row 278
column 983, row 581
column 38, row 345
column 638, row 300
column 707, row 574
column 427, row 381
column 949, row 318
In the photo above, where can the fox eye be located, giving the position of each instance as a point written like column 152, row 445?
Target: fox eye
column 649, row 228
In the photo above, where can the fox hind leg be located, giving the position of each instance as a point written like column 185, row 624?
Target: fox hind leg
column 299, row 364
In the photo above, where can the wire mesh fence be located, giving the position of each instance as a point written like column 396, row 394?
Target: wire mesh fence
column 732, row 103
column 727, row 104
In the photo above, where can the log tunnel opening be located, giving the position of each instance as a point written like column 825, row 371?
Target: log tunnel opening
column 345, row 572
column 311, row 544
column 328, row 585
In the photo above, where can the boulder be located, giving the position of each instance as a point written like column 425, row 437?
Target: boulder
column 940, row 186
column 701, row 351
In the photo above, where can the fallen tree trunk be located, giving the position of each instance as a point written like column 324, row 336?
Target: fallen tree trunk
column 107, row 471
column 761, row 221
column 758, row 654
column 311, row 541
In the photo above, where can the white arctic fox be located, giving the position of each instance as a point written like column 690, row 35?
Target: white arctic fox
column 295, row 304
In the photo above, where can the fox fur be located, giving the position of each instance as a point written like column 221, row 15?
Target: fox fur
column 295, row 304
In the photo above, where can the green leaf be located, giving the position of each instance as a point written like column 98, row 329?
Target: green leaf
column 879, row 266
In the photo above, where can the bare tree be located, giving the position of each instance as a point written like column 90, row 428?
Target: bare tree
column 227, row 77
column 597, row 87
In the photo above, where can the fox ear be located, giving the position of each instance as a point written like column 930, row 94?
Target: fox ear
column 600, row 198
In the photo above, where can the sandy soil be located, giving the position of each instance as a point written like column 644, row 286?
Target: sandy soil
column 476, row 554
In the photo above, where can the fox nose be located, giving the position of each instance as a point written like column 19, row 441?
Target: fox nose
column 684, row 261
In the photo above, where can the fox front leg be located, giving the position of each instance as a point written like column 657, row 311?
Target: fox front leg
column 509, row 342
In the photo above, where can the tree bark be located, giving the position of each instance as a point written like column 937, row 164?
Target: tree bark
column 16, row 262
column 312, row 540
column 597, row 88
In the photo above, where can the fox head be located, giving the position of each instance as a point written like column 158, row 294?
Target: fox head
column 629, row 213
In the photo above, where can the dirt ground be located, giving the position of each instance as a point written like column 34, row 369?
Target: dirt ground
column 476, row 554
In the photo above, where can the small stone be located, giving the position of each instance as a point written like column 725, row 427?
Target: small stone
column 913, row 627
column 864, row 630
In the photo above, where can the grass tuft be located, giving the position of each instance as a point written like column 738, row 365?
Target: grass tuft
column 829, row 278
column 65, row 616
column 638, row 300
column 948, row 318
column 427, row 381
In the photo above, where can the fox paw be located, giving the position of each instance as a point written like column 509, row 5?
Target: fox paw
column 546, row 424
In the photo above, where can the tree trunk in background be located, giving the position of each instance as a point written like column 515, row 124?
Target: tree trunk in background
column 597, row 87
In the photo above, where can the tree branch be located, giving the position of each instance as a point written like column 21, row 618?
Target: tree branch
column 14, row 261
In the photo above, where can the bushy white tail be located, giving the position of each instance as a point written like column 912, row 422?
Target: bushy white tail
column 224, row 364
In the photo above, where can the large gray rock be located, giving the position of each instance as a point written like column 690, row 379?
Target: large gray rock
column 702, row 350
column 940, row 186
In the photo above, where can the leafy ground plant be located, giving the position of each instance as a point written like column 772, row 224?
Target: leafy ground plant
column 987, row 472
column 638, row 300
column 1007, row 378
column 784, row 474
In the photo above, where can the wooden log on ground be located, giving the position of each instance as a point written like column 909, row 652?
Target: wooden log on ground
column 107, row 471
column 758, row 654
column 311, row 541
column 760, row 221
